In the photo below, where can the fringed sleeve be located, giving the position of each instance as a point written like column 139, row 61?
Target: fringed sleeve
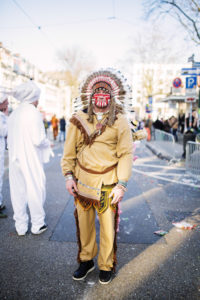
column 68, row 160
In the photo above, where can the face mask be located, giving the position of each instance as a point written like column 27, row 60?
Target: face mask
column 101, row 100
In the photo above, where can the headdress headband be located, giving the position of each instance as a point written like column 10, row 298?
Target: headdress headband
column 110, row 79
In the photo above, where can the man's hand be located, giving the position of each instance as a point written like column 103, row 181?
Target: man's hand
column 71, row 187
column 117, row 194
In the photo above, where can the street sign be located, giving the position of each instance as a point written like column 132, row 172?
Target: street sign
column 190, row 99
column 196, row 64
column 190, row 71
column 190, row 92
column 191, row 82
column 176, row 90
column 150, row 98
column 148, row 108
column 177, row 82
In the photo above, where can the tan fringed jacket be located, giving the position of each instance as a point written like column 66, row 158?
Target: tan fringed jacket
column 97, row 159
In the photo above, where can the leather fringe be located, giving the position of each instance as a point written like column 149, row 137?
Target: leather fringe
column 115, row 239
column 87, row 202
column 78, row 235
column 78, row 124
column 96, row 133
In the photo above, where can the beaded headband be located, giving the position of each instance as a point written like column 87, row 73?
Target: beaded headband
column 107, row 79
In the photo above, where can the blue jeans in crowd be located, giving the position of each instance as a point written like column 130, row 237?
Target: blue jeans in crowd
column 62, row 136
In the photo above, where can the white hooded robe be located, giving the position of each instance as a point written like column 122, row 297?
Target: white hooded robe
column 28, row 150
column 3, row 134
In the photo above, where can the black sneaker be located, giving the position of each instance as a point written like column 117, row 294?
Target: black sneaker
column 41, row 230
column 105, row 276
column 84, row 268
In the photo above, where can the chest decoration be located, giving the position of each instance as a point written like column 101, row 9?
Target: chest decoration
column 89, row 137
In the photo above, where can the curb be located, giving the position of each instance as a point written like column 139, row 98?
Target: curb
column 160, row 155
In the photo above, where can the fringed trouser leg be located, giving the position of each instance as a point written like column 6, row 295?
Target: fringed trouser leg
column 86, row 234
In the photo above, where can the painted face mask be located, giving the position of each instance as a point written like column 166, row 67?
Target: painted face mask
column 101, row 100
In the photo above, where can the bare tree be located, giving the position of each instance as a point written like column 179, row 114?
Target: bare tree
column 74, row 64
column 154, row 47
column 186, row 12
column 151, row 49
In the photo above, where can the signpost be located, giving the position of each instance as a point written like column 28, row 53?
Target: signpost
column 191, row 83
column 190, row 99
column 177, row 82
column 176, row 85
column 196, row 64
column 148, row 106
column 190, row 71
column 190, row 92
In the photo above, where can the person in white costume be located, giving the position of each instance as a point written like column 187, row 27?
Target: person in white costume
column 28, row 150
column 3, row 134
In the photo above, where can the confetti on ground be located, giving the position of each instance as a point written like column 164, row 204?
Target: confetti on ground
column 184, row 225
column 125, row 219
column 161, row 232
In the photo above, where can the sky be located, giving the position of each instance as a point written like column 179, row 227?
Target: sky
column 105, row 30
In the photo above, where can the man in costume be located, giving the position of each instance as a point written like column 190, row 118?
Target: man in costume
column 28, row 150
column 54, row 124
column 97, row 164
column 3, row 135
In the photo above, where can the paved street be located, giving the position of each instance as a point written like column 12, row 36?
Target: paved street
column 149, row 266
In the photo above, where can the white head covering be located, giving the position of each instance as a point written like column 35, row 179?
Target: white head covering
column 3, row 97
column 27, row 92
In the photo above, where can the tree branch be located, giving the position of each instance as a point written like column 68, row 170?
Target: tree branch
column 186, row 16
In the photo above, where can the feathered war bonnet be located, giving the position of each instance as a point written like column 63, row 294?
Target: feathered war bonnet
column 114, row 82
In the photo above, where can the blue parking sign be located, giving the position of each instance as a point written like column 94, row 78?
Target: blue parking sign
column 191, row 82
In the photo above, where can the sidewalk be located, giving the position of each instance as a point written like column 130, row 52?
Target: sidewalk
column 165, row 150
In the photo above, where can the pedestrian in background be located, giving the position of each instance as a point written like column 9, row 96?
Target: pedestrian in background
column 46, row 125
column 54, row 124
column 173, row 122
column 28, row 150
column 3, row 135
column 62, row 129
column 181, row 121
column 148, row 127
column 190, row 134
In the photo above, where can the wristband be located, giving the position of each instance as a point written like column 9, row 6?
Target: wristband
column 124, row 183
column 69, row 177
column 121, row 187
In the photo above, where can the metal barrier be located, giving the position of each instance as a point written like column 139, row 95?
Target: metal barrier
column 161, row 135
column 166, row 141
column 192, row 162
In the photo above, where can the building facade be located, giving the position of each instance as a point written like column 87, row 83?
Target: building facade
column 151, row 84
column 55, row 94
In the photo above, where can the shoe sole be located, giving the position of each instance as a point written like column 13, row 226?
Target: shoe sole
column 103, row 282
column 90, row 270
column 22, row 234
column 41, row 231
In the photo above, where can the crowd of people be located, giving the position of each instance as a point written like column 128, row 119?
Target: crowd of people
column 58, row 127
column 186, row 126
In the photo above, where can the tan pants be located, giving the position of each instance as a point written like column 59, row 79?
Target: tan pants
column 87, row 233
